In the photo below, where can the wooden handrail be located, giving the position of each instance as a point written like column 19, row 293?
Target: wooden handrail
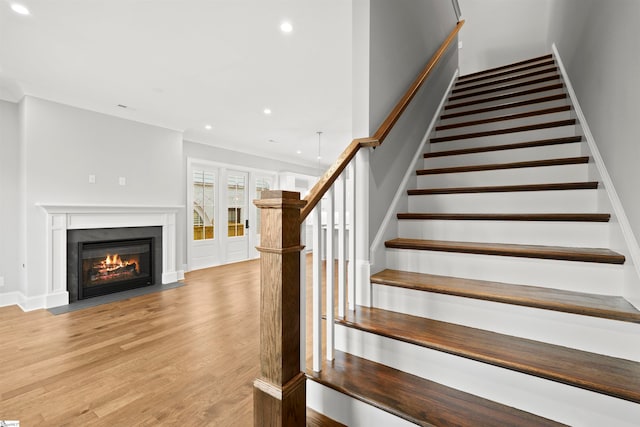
column 330, row 176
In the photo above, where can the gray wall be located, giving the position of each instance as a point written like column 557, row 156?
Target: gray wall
column 404, row 36
column 598, row 42
column 9, row 196
column 499, row 32
column 62, row 145
column 221, row 155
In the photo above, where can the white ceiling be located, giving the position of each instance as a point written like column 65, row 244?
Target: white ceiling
column 182, row 64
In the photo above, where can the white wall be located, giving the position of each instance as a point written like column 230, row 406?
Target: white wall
column 9, row 196
column 404, row 36
column 62, row 145
column 499, row 32
column 598, row 42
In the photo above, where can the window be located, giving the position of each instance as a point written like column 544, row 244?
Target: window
column 203, row 205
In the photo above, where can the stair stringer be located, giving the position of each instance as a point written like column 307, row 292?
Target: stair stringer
column 389, row 227
column 622, row 239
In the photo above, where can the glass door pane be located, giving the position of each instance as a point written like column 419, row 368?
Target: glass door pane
column 236, row 203
column 203, row 204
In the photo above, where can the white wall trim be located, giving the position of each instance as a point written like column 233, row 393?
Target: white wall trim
column 632, row 295
column 389, row 226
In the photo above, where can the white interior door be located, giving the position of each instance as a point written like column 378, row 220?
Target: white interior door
column 237, row 209
column 203, row 235
column 259, row 183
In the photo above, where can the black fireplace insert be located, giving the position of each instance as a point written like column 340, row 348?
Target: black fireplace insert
column 116, row 265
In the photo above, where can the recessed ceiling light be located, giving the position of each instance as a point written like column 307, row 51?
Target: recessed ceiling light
column 20, row 9
column 298, row 152
column 319, row 157
column 267, row 111
column 208, row 127
column 286, row 27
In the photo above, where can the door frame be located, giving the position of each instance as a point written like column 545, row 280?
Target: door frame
column 219, row 244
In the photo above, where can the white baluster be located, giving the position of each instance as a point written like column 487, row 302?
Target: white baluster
column 342, row 273
column 303, row 296
column 330, row 279
column 351, row 209
column 317, row 289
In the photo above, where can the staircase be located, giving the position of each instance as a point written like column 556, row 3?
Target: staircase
column 501, row 301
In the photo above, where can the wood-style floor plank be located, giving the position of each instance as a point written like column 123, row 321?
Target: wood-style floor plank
column 604, row 306
column 185, row 356
column 598, row 255
column 603, row 374
column 415, row 399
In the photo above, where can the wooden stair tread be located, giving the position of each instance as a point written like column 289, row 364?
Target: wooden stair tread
column 501, row 147
column 505, row 106
column 505, row 87
column 458, row 88
column 504, row 67
column 512, row 165
column 603, row 306
column 598, row 255
column 504, row 131
column 570, row 217
column 316, row 419
column 590, row 185
column 603, row 374
column 416, row 399
column 505, row 117
column 504, row 96
column 463, row 81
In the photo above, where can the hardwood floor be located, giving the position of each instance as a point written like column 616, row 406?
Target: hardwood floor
column 186, row 356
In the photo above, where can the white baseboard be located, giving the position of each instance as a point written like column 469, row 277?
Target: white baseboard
column 632, row 288
column 388, row 228
column 10, row 298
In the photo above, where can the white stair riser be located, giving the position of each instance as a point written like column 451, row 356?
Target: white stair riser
column 506, row 156
column 507, row 138
column 573, row 234
column 347, row 410
column 512, row 110
column 511, row 70
column 550, row 399
column 454, row 97
column 604, row 279
column 517, row 176
column 497, row 83
column 518, row 98
column 596, row 335
column 526, row 121
column 560, row 201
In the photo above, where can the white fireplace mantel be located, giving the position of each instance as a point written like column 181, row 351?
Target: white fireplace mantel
column 63, row 217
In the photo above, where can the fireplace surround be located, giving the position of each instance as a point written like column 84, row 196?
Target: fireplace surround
column 63, row 217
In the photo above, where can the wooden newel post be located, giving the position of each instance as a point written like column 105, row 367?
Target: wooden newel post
column 279, row 394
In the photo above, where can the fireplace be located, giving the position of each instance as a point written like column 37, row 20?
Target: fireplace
column 101, row 261
column 113, row 266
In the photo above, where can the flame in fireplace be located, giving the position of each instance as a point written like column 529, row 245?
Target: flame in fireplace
column 114, row 262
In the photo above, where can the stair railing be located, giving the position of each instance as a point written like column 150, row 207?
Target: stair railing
column 280, row 391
